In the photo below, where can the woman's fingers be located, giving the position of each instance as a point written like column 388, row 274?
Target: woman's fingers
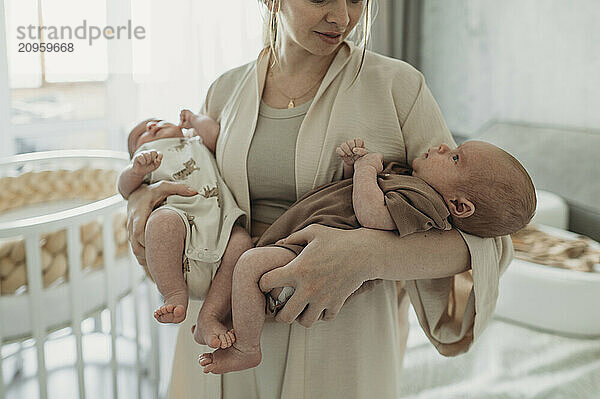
column 301, row 237
column 310, row 315
column 139, row 251
column 279, row 277
column 331, row 313
column 292, row 309
column 167, row 188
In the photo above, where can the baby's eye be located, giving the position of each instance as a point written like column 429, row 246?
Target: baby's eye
column 455, row 158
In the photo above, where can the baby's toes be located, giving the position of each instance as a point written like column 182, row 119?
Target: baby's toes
column 214, row 341
column 208, row 369
column 231, row 335
column 224, row 343
column 205, row 359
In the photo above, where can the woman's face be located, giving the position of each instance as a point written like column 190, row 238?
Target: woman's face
column 306, row 23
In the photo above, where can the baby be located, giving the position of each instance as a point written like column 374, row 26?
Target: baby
column 476, row 187
column 198, row 232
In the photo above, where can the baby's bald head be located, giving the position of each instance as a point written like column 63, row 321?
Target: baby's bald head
column 500, row 189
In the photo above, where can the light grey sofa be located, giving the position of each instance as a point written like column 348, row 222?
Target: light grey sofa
column 562, row 161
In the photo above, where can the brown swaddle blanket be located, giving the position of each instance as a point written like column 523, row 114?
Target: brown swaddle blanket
column 413, row 205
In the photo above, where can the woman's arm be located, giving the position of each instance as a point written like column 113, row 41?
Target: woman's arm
column 335, row 262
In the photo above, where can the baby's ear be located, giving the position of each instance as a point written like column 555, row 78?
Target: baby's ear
column 460, row 207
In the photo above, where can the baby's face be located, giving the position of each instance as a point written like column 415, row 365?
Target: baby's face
column 150, row 130
column 443, row 168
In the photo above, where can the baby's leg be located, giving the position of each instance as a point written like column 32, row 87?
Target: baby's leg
column 165, row 241
column 248, row 308
column 209, row 329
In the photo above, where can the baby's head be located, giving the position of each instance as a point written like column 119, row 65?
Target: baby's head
column 150, row 130
column 487, row 191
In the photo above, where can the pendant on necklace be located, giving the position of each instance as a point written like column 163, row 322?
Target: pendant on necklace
column 291, row 104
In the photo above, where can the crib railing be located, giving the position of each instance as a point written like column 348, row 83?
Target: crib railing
column 86, row 292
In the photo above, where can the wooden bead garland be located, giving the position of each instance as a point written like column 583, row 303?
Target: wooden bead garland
column 37, row 187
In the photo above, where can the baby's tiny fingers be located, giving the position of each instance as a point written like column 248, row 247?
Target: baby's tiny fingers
column 359, row 142
column 346, row 148
column 360, row 151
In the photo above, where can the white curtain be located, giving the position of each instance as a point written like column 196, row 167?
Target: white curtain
column 189, row 44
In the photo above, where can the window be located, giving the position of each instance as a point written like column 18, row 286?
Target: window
column 54, row 85
column 90, row 97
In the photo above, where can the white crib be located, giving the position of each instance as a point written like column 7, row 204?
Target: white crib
column 31, row 191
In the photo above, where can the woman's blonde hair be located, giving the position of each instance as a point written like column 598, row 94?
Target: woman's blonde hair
column 360, row 35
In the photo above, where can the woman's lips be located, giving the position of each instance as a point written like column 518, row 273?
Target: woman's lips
column 330, row 39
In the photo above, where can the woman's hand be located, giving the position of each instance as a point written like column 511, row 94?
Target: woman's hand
column 139, row 206
column 328, row 270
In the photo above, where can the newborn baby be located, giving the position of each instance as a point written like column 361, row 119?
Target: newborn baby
column 476, row 187
column 198, row 232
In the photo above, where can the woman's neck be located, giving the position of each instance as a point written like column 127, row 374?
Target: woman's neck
column 295, row 60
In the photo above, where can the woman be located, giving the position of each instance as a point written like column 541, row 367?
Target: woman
column 357, row 350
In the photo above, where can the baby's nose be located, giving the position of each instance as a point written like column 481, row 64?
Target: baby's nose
column 152, row 126
column 443, row 148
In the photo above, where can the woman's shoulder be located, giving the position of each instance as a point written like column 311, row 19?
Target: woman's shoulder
column 234, row 75
column 400, row 77
column 379, row 65
column 223, row 87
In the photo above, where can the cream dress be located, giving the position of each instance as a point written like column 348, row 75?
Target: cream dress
column 359, row 354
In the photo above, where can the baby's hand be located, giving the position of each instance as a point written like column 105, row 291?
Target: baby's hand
column 187, row 119
column 146, row 162
column 373, row 159
column 346, row 151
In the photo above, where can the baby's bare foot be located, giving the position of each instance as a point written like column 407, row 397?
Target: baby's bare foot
column 230, row 359
column 210, row 331
column 174, row 309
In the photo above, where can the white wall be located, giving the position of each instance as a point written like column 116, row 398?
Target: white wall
column 533, row 61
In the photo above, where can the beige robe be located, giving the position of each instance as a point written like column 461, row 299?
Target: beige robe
column 359, row 354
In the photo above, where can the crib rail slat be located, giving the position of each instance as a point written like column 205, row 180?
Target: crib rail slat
column 138, row 348
column 75, row 284
column 155, row 363
column 2, row 389
column 36, row 300
column 111, row 293
column 34, row 281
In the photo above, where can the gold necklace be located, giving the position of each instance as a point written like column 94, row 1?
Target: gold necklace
column 292, row 103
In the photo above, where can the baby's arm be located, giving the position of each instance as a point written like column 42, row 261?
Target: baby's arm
column 345, row 151
column 133, row 176
column 367, row 198
column 204, row 127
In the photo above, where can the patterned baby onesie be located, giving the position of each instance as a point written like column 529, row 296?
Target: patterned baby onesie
column 209, row 216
